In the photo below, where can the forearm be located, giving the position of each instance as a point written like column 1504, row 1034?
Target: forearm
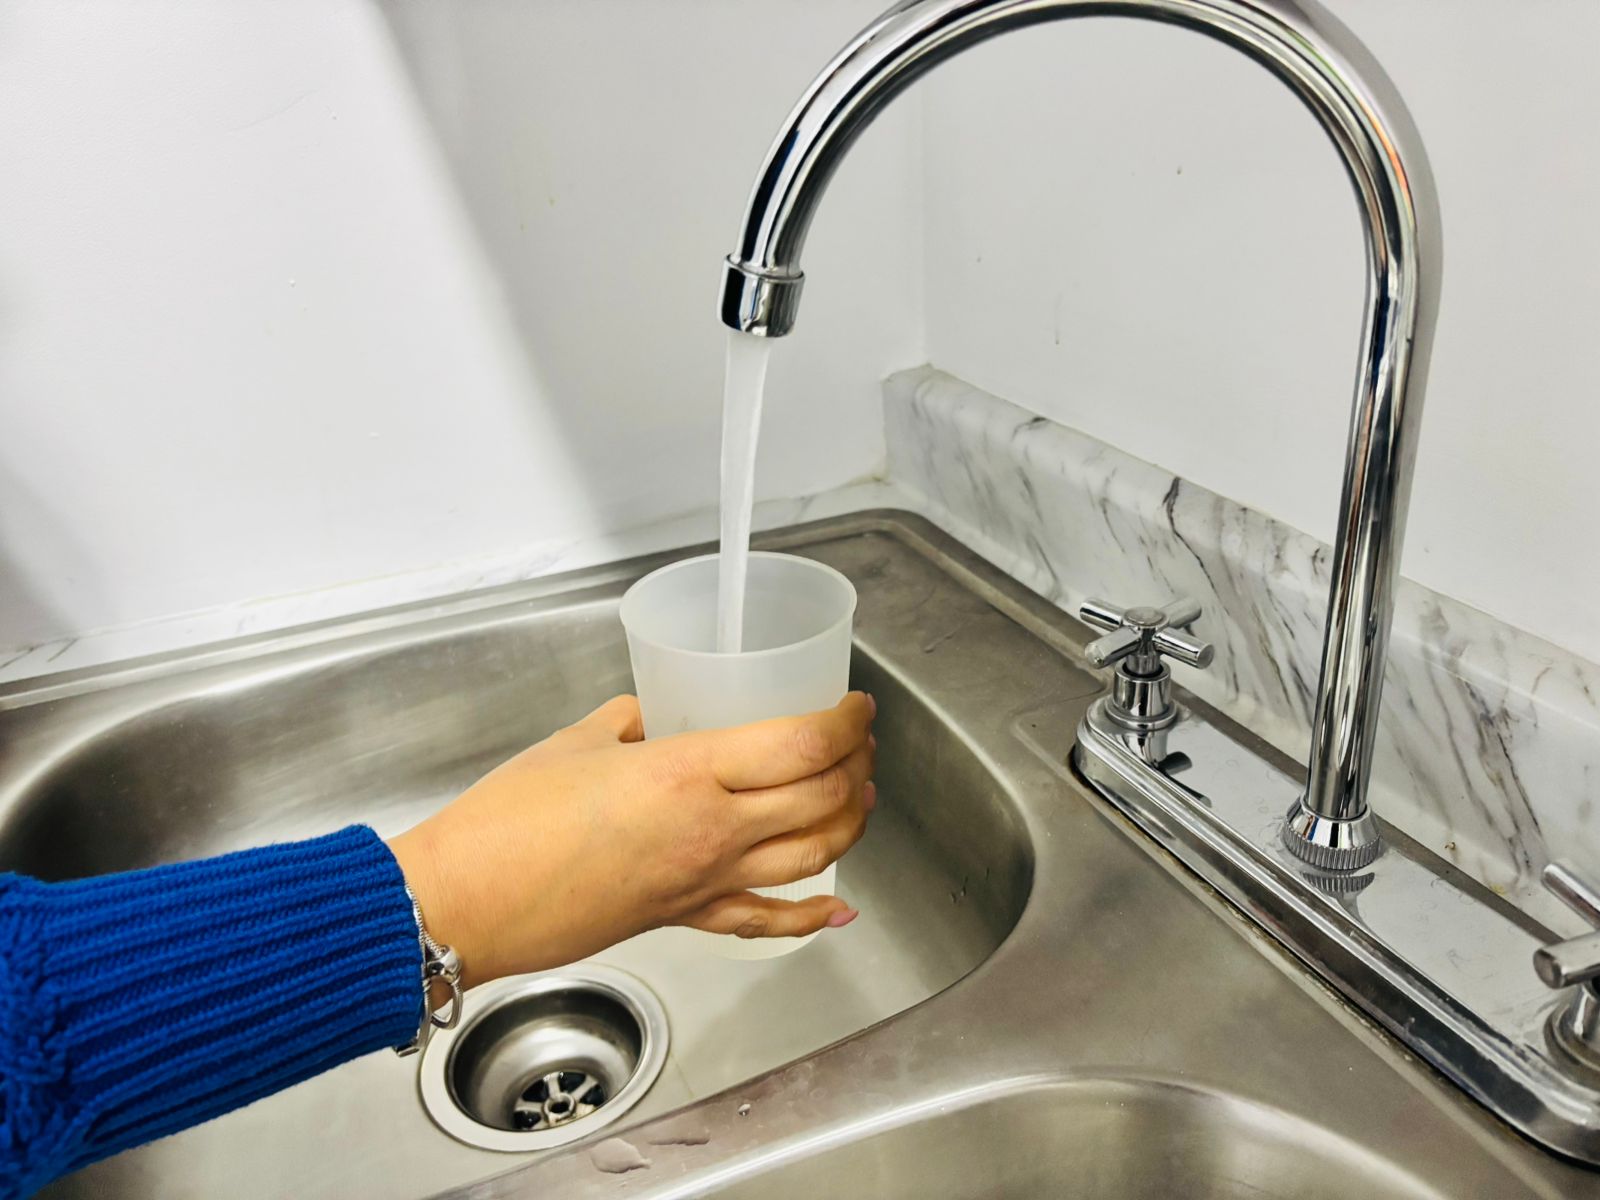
column 150, row 1001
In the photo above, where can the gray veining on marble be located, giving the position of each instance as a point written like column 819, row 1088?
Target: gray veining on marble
column 1490, row 744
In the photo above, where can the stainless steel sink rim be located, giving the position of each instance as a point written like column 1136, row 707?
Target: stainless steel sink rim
column 631, row 994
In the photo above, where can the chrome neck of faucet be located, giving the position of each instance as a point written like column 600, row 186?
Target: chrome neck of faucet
column 1324, row 64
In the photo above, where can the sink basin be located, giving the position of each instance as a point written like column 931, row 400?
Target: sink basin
column 1130, row 1139
column 383, row 721
column 1035, row 1001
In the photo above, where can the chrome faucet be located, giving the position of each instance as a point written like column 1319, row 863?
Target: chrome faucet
column 1331, row 825
column 1435, row 959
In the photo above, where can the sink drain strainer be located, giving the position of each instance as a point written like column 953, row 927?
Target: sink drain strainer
column 559, row 1097
column 542, row 1060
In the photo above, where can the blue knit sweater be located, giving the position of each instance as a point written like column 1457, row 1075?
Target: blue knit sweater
column 142, row 1003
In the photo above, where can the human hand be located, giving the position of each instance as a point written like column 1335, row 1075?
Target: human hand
column 595, row 834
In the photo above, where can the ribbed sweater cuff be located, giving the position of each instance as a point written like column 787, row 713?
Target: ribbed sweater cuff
column 157, row 999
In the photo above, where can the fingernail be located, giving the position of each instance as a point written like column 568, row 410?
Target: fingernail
column 872, row 703
column 869, row 796
column 872, row 740
column 842, row 918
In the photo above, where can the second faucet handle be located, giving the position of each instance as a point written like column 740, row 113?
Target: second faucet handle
column 1576, row 960
column 1145, row 635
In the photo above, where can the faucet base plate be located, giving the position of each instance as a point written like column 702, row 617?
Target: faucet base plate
column 1437, row 961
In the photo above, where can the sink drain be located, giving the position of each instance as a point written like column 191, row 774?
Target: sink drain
column 542, row 1060
column 559, row 1097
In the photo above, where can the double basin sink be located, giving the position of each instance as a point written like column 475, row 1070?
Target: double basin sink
column 1035, row 1000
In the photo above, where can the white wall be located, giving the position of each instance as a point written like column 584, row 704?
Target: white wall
column 302, row 293
column 299, row 293
column 1140, row 233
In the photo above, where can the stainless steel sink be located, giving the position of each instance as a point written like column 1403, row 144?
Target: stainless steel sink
column 1138, row 1139
column 383, row 719
column 1040, row 1001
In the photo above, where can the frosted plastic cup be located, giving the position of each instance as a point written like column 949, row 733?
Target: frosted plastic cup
column 796, row 659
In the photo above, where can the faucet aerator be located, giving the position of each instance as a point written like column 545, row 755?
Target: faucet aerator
column 760, row 302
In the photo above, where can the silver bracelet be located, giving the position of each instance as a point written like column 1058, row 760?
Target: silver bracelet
column 441, row 963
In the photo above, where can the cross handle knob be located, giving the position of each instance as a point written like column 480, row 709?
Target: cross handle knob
column 1140, row 637
column 1576, row 960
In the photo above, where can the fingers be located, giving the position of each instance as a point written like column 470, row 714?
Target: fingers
column 806, row 852
column 772, row 753
column 771, row 812
column 617, row 720
column 747, row 915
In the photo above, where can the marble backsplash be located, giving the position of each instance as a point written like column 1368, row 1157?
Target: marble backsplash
column 1490, row 744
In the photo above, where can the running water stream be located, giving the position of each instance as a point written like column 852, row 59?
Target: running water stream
column 741, row 424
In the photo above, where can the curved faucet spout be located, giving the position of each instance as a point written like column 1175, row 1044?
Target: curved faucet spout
column 1334, row 75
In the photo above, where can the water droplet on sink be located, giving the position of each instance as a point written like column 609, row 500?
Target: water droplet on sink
column 683, row 1132
column 615, row 1156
